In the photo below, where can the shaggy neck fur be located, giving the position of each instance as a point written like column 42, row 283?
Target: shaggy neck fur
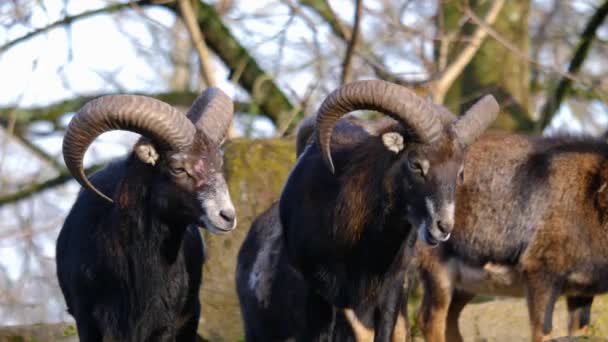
column 143, row 219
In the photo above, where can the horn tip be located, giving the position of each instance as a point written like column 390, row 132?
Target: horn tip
column 330, row 164
column 491, row 103
column 101, row 194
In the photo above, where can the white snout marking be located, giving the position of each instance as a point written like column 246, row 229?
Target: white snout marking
column 393, row 141
column 425, row 166
column 214, row 204
column 179, row 156
column 447, row 213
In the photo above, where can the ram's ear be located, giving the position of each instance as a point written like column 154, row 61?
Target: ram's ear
column 145, row 151
column 393, row 141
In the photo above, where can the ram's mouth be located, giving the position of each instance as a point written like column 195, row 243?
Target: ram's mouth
column 218, row 226
column 425, row 235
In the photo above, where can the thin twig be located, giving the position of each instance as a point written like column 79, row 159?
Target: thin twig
column 555, row 99
column 189, row 17
column 352, row 43
column 454, row 69
column 29, row 190
column 511, row 47
column 65, row 21
column 37, row 151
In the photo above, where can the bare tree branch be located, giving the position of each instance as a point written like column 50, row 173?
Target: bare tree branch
column 187, row 11
column 450, row 74
column 343, row 31
column 264, row 91
column 271, row 100
column 53, row 112
column 555, row 99
column 29, row 190
column 514, row 49
column 352, row 43
column 68, row 20
column 37, row 151
column 323, row 9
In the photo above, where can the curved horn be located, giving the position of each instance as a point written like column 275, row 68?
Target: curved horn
column 445, row 115
column 398, row 102
column 212, row 113
column 149, row 117
column 475, row 121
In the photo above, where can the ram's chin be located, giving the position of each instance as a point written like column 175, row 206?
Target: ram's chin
column 425, row 236
column 207, row 224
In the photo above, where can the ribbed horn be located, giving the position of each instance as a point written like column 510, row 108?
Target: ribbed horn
column 400, row 103
column 149, row 117
column 476, row 120
column 212, row 113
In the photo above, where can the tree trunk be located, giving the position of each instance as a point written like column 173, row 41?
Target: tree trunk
column 494, row 69
column 255, row 171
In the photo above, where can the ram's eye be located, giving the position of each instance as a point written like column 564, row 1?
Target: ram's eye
column 414, row 166
column 179, row 171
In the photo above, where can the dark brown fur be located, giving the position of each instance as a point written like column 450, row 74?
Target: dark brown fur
column 131, row 270
column 531, row 220
column 273, row 295
column 351, row 234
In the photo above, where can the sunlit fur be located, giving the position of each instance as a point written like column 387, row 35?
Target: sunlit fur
column 131, row 271
column 531, row 219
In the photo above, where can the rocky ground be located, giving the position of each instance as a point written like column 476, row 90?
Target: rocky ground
column 501, row 320
column 506, row 320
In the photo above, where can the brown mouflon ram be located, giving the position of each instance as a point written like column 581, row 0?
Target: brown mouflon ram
column 129, row 255
column 531, row 220
column 349, row 218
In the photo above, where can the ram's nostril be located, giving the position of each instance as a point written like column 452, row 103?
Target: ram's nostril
column 443, row 227
column 228, row 215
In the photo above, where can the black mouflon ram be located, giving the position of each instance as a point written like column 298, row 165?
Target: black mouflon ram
column 349, row 227
column 129, row 255
column 531, row 220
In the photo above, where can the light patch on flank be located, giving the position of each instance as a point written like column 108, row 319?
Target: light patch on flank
column 393, row 141
column 579, row 278
column 499, row 273
column 430, row 206
column 264, row 267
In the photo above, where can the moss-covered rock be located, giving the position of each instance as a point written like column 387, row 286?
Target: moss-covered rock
column 255, row 171
column 39, row 332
